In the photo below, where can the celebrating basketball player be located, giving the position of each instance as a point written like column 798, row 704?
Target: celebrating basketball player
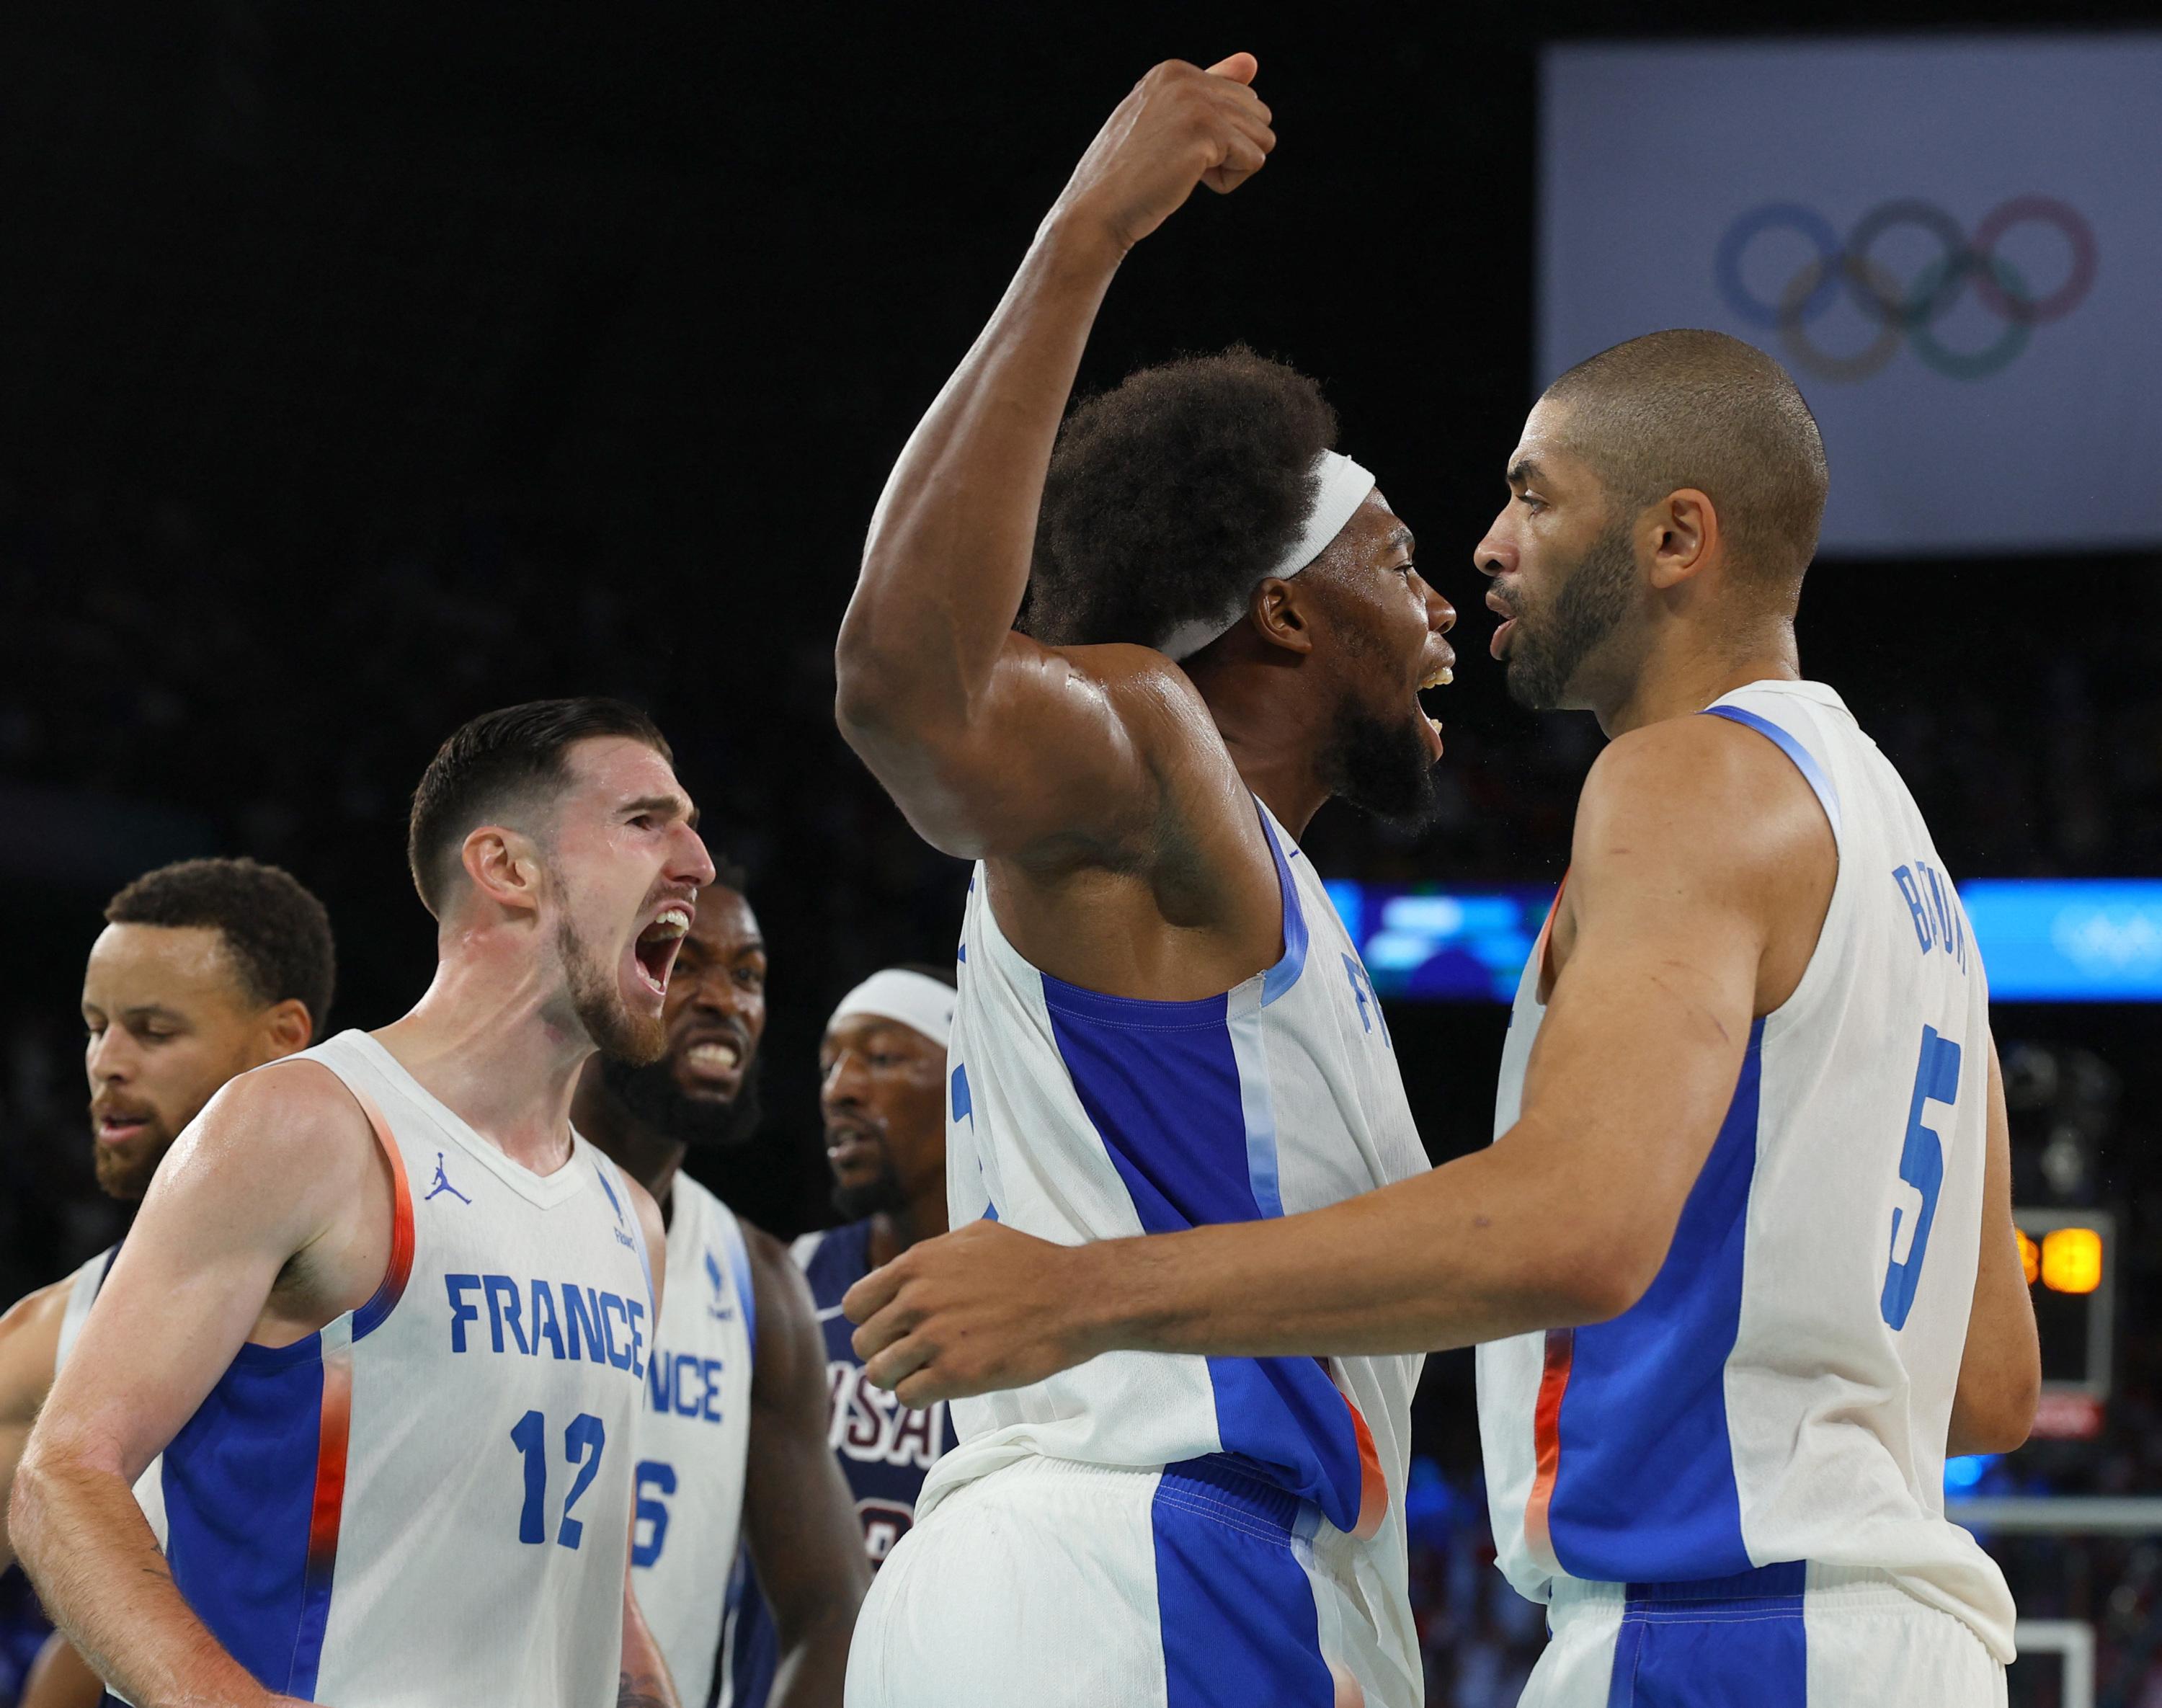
column 732, row 1438
column 1161, row 1021
column 384, row 1314
column 204, row 970
column 1743, row 1245
column 882, row 1091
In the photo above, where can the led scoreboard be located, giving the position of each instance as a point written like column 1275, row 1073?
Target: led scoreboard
column 2071, row 1259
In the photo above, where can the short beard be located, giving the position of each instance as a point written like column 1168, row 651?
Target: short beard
column 881, row 1194
column 651, row 1095
column 1543, row 665
column 124, row 1172
column 619, row 1034
column 1385, row 769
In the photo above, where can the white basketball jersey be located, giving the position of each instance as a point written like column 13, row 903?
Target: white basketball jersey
column 694, row 1437
column 82, row 1293
column 429, row 1500
column 1782, row 1391
column 1077, row 1116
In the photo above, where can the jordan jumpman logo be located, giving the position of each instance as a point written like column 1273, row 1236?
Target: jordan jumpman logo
column 443, row 1183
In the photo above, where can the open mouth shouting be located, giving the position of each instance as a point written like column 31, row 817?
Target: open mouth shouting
column 654, row 951
column 1441, row 671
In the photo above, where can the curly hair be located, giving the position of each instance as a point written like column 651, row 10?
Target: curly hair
column 275, row 930
column 1170, row 495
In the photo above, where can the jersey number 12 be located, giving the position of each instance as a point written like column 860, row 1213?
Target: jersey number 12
column 583, row 1438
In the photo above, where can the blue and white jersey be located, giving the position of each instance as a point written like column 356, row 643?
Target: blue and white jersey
column 429, row 1500
column 82, row 1292
column 694, row 1437
column 1782, row 1391
column 885, row 1450
column 1076, row 1116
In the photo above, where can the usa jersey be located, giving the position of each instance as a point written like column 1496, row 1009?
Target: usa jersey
column 82, row 1293
column 1076, row 1116
column 429, row 1500
column 694, row 1437
column 1782, row 1391
column 885, row 1450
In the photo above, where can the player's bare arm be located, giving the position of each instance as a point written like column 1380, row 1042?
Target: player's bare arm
column 270, row 1217
column 799, row 1518
column 644, row 1681
column 29, row 1341
column 1702, row 869
column 2000, row 1377
column 1057, row 765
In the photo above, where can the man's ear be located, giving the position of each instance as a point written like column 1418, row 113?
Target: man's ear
column 285, row 1027
column 1282, row 612
column 503, row 865
column 1679, row 535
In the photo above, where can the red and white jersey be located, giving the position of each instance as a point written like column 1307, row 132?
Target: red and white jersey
column 1782, row 1391
column 429, row 1500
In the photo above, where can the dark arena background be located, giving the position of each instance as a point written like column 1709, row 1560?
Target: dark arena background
column 363, row 368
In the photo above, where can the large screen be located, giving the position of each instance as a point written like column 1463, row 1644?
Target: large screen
column 1953, row 243
column 2042, row 940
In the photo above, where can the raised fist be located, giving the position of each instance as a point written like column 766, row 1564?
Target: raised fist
column 1180, row 126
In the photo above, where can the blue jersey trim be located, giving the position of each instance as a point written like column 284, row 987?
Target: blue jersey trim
column 740, row 1270
column 1234, row 1609
column 239, row 1484
column 1645, row 1487
column 1166, row 1086
column 1292, row 962
column 1805, row 762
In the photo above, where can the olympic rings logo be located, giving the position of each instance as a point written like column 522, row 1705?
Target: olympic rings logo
column 1909, row 311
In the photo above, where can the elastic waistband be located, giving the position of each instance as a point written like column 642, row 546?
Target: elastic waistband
column 1767, row 1587
column 1216, row 1487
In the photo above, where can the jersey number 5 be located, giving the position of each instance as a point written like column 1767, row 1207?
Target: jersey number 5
column 583, row 1438
column 1922, row 1169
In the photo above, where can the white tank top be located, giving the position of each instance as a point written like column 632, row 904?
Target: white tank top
column 1782, row 1391
column 82, row 1293
column 694, row 1437
column 429, row 1500
column 1077, row 1116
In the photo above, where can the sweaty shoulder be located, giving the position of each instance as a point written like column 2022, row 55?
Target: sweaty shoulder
column 30, row 1342
column 1703, row 794
column 284, row 1143
column 787, row 1315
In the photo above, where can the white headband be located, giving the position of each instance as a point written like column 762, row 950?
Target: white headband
column 1341, row 487
column 916, row 1000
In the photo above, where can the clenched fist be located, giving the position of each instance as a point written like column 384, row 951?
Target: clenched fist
column 1181, row 126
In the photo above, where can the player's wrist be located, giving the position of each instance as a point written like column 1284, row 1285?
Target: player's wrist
column 1076, row 236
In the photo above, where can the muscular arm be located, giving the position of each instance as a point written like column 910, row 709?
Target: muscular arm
column 644, row 1681
column 265, row 1173
column 799, row 1518
column 1692, row 845
column 2001, row 1370
column 991, row 743
column 29, row 1341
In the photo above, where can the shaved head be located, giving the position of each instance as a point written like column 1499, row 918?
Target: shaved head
column 1697, row 409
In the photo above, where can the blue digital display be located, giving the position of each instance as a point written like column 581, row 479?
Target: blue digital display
column 2042, row 940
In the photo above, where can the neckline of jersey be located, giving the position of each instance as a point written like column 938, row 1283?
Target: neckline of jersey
column 543, row 1191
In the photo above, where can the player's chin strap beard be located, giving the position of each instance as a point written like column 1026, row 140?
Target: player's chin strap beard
column 1340, row 486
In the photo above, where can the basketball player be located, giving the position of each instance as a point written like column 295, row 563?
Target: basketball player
column 882, row 1069
column 1743, row 1245
column 384, row 1314
column 732, row 1438
column 204, row 969
column 1162, row 1022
